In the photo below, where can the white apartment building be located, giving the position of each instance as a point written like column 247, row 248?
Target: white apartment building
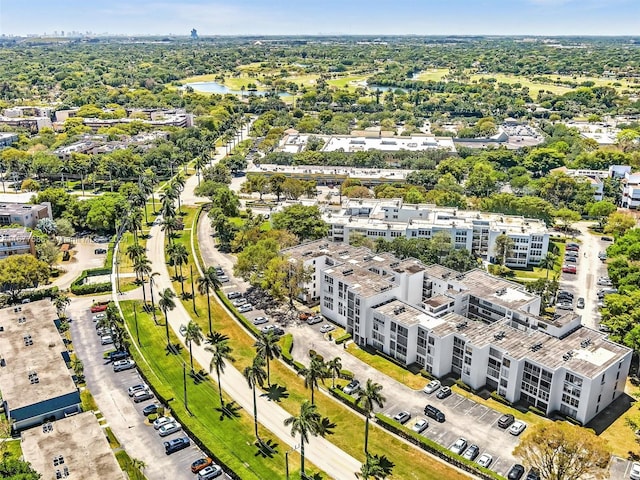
column 595, row 177
column 480, row 328
column 471, row 230
column 631, row 191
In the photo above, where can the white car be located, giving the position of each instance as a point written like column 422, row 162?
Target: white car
column 106, row 340
column 432, row 386
column 260, row 320
column 635, row 471
column 169, row 428
column 326, row 328
column 99, row 316
column 121, row 365
column 247, row 307
column 183, row 330
column 315, row 319
column 239, row 302
column 459, row 446
column 137, row 388
column 142, row 396
column 420, row 425
column 162, row 421
column 212, row 471
column 485, row 460
column 517, row 427
column 352, row 387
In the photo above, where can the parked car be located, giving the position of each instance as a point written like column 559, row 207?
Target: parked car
column 602, row 255
column 471, row 453
column 99, row 307
column 142, row 396
column 606, row 239
column 517, row 428
column 169, row 428
column 571, row 259
column 232, row 295
column 326, row 328
column 635, row 471
column 402, row 417
column 137, row 388
column 572, row 245
column 516, row 472
column 533, row 475
column 315, row 319
column 117, row 355
column 571, row 248
column 505, row 420
column 580, row 303
column 106, row 340
column 459, row 446
column 239, row 302
column 604, row 328
column 162, row 421
column 122, row 365
column 435, row 413
column 351, row 387
column 564, row 306
column 212, row 471
column 571, row 254
column 485, row 460
column 183, row 330
column 99, row 316
column 176, row 444
column 569, row 269
column 247, row 307
column 151, row 408
column 420, row 425
column 102, row 331
column 223, row 279
column 604, row 282
column 304, row 316
column 200, row 464
column 260, row 320
column 444, row 392
column 100, row 251
column 432, row 386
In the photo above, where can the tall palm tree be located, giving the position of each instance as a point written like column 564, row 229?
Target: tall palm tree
column 193, row 335
column 167, row 303
column 221, row 352
column 152, row 282
column 317, row 370
column 61, row 302
column 207, row 282
column 200, row 162
column 167, row 204
column 548, row 262
column 376, row 467
column 134, row 223
column 367, row 397
column 306, row 423
column 171, row 250
column 170, row 225
column 268, row 346
column 135, row 251
column 180, row 257
column 255, row 375
column 335, row 367
column 142, row 267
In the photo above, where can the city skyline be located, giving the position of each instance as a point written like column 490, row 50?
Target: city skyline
column 357, row 17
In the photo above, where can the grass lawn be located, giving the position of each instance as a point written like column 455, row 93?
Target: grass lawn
column 621, row 437
column 126, row 464
column 534, row 87
column 434, row 74
column 209, row 77
column 231, row 439
column 402, row 375
column 126, row 265
column 303, row 80
column 345, row 81
column 88, row 402
column 13, row 448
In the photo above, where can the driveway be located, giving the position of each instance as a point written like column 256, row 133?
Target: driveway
column 82, row 259
column 123, row 416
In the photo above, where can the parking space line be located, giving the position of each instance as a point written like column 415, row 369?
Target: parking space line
column 488, row 410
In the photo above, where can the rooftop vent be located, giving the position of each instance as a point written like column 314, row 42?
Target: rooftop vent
column 536, row 346
column 47, row 427
column 17, row 309
column 585, row 343
column 394, row 264
column 398, row 310
column 349, row 271
column 501, row 292
column 22, row 320
column 58, row 460
column 500, row 335
column 28, row 341
column 385, row 288
column 568, row 355
column 33, row 377
column 462, row 325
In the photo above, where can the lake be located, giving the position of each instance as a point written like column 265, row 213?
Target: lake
column 215, row 87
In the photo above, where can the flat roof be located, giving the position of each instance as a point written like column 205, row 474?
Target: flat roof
column 585, row 351
column 14, row 233
column 403, row 313
column 9, row 208
column 81, row 443
column 31, row 345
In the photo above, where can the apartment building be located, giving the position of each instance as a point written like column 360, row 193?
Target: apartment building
column 471, row 230
column 483, row 329
column 16, row 241
column 631, row 191
column 595, row 177
column 35, row 382
column 25, row 214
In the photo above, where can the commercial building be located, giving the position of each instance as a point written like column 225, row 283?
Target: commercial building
column 16, row 241
column 74, row 448
column 483, row 329
column 35, row 381
column 468, row 229
column 25, row 214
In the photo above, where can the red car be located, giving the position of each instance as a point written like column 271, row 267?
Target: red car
column 200, row 464
column 569, row 269
column 99, row 307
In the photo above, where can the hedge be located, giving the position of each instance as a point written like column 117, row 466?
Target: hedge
column 287, row 346
column 463, row 386
column 426, row 374
column 346, row 399
column 346, row 374
column 35, row 295
column 248, row 325
column 343, row 338
column 79, row 288
column 438, row 450
column 499, row 398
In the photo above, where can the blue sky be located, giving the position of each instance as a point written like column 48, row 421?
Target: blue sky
column 280, row 17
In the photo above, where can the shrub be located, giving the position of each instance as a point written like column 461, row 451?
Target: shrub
column 346, row 374
column 79, row 288
column 298, row 367
column 499, row 398
column 287, row 346
column 343, row 338
column 463, row 386
column 426, row 374
column 536, row 410
column 346, row 399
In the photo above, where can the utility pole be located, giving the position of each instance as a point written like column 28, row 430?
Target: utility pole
column 193, row 291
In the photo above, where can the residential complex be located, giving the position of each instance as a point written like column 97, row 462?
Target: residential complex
column 16, row 241
column 483, row 329
column 468, row 229
column 596, row 177
column 630, row 191
column 25, row 214
column 75, row 448
column 35, row 381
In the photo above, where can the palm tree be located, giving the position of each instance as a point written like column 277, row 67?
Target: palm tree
column 548, row 262
column 306, row 423
column 367, row 398
column 255, row 375
column 377, row 467
column 221, row 351
column 153, row 303
column 166, row 303
column 200, row 163
column 170, row 225
column 317, row 370
column 138, row 464
column 193, row 334
column 142, row 267
column 180, row 257
column 135, row 251
column 167, row 204
column 207, row 282
column 171, row 250
column 134, row 223
column 335, row 367
column 61, row 302
column 268, row 346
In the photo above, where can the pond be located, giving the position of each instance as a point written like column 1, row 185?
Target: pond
column 384, row 88
column 215, row 87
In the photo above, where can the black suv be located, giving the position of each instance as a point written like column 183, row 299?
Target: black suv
column 516, row 472
column 435, row 413
column 118, row 355
column 505, row 420
column 176, row 444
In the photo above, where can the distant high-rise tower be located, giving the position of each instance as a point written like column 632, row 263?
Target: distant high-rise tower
column 194, row 34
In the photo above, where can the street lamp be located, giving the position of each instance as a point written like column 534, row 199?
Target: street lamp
column 286, row 459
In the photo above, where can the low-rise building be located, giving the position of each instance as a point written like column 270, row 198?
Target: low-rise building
column 16, row 241
column 471, row 230
column 75, row 448
column 630, row 191
column 25, row 214
column 486, row 330
column 595, row 177
column 35, row 381
column 7, row 139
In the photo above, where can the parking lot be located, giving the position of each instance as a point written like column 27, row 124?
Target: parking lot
column 122, row 415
